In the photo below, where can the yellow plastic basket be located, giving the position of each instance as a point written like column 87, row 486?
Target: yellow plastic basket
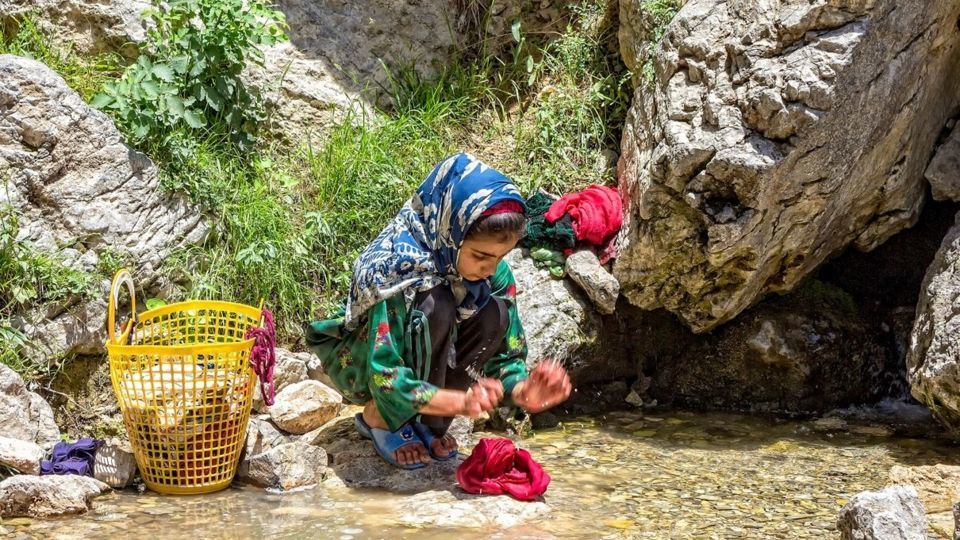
column 184, row 383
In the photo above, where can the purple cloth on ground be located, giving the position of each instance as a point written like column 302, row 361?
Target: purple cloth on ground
column 71, row 458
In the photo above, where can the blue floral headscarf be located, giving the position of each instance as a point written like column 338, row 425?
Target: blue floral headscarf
column 418, row 249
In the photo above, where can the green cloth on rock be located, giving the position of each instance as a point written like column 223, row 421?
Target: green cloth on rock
column 557, row 236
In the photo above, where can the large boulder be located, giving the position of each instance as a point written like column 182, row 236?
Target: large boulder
column 45, row 496
column 25, row 415
column 775, row 135
column 809, row 351
column 933, row 360
column 557, row 320
column 894, row 513
column 79, row 192
column 87, row 27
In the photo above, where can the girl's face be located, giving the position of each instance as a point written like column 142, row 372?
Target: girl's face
column 479, row 256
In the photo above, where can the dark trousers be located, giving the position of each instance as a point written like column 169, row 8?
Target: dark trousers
column 478, row 339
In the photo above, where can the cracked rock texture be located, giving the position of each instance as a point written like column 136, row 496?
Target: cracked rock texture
column 778, row 133
column 933, row 359
column 80, row 192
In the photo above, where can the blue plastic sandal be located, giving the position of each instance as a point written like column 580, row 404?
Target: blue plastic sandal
column 386, row 442
column 426, row 435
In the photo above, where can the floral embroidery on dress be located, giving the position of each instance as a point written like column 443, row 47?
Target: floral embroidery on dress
column 422, row 394
column 383, row 335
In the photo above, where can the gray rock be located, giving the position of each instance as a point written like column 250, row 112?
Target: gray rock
column 943, row 172
column 894, row 513
column 775, row 135
column 72, row 181
column 287, row 466
column 25, row 415
column 290, row 368
column 305, row 406
column 87, row 27
column 115, row 464
column 557, row 320
column 459, row 509
column 23, row 456
column 601, row 287
column 262, row 435
column 933, row 359
column 45, row 496
column 956, row 521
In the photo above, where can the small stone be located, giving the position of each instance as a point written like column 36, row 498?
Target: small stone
column 290, row 368
column 115, row 464
column 305, row 406
column 23, row 456
column 633, row 398
column 287, row 466
column 601, row 287
column 894, row 513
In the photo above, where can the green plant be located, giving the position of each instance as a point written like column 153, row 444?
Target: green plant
column 659, row 13
column 31, row 277
column 188, row 72
column 22, row 36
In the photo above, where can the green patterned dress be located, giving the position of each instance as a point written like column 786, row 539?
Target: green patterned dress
column 380, row 360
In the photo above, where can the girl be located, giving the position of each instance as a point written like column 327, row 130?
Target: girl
column 430, row 329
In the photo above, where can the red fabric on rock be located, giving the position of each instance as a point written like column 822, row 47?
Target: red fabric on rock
column 496, row 467
column 597, row 213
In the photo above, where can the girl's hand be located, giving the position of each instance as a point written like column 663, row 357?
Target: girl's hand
column 483, row 396
column 547, row 386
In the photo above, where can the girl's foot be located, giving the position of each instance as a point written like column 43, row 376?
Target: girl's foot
column 408, row 454
column 442, row 447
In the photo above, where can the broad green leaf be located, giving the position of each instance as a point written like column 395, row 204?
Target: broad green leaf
column 100, row 101
column 151, row 89
column 163, row 72
column 154, row 303
column 213, row 98
column 194, row 119
column 180, row 63
column 175, row 105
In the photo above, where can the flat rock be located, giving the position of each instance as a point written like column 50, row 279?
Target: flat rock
column 454, row 508
column 894, row 513
column 24, row 414
column 938, row 486
column 23, row 456
column 46, row 496
column 600, row 286
column 354, row 461
column 305, row 406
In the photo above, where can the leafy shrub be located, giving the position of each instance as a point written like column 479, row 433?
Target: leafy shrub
column 188, row 72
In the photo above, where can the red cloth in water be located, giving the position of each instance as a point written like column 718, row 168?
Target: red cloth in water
column 496, row 467
column 597, row 213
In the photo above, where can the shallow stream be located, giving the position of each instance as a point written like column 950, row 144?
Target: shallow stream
column 661, row 474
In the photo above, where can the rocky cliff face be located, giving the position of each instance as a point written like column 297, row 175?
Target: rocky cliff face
column 777, row 134
column 79, row 192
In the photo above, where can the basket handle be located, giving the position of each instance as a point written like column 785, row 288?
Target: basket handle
column 122, row 277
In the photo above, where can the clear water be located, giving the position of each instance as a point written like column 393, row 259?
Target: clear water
column 622, row 475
